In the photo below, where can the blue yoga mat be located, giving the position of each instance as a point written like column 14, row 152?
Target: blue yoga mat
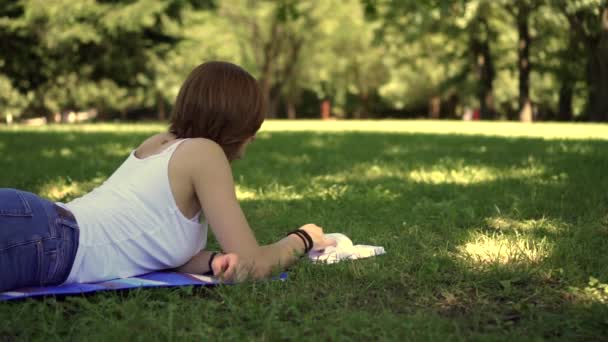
column 155, row 279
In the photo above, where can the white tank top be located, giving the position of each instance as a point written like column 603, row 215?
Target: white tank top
column 131, row 225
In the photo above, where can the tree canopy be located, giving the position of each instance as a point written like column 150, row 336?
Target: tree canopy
column 522, row 60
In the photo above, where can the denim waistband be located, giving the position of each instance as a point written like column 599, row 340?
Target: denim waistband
column 64, row 213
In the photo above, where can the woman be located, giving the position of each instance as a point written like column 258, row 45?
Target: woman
column 145, row 217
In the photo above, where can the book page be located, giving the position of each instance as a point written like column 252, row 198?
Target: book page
column 344, row 250
column 342, row 241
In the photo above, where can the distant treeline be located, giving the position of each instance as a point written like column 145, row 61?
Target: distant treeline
column 493, row 59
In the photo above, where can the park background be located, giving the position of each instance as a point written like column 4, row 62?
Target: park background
column 525, row 60
column 494, row 230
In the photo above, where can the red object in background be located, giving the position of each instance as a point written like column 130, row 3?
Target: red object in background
column 476, row 114
column 325, row 109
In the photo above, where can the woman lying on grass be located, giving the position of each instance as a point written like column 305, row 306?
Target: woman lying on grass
column 145, row 217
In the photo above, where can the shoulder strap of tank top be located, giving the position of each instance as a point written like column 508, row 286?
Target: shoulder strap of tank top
column 173, row 146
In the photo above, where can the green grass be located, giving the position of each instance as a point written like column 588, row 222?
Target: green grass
column 494, row 231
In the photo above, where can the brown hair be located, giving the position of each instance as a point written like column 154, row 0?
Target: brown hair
column 218, row 101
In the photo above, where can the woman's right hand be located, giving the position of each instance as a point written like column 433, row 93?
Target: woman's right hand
column 319, row 240
column 226, row 266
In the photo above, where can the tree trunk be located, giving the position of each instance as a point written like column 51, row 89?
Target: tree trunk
column 363, row 110
column 523, row 54
column 274, row 100
column 162, row 111
column 567, row 79
column 565, row 102
column 265, row 88
column 291, row 109
column 435, row 107
column 269, row 53
column 448, row 109
column 484, row 68
column 598, row 74
column 325, row 109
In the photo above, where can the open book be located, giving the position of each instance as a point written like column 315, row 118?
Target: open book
column 344, row 250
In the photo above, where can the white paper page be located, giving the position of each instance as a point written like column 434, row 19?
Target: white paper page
column 344, row 250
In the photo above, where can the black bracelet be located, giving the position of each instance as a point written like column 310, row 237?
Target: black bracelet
column 307, row 236
column 306, row 244
column 210, row 261
column 302, row 234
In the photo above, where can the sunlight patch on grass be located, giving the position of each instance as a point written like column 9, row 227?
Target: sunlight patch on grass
column 504, row 224
column 243, row 193
column 457, row 173
column 576, row 148
column 367, row 171
column 448, row 171
column 65, row 152
column 62, row 189
column 502, row 249
column 293, row 160
column 465, row 175
column 111, row 150
column 575, row 131
column 595, row 292
column 54, row 153
column 486, row 128
column 279, row 192
column 332, row 192
column 91, row 128
column 531, row 168
column 377, row 171
column 445, row 171
column 117, row 150
column 57, row 192
column 316, row 142
column 331, row 178
column 275, row 192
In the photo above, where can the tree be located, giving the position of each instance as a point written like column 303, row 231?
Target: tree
column 270, row 37
column 481, row 36
column 464, row 26
column 521, row 10
column 80, row 54
column 588, row 21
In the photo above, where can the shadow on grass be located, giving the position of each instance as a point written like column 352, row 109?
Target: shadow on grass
column 62, row 165
column 495, row 229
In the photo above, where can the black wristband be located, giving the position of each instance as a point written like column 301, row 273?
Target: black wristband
column 306, row 244
column 210, row 261
column 307, row 236
column 306, row 239
column 296, row 233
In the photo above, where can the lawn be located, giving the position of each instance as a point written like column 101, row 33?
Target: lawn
column 493, row 231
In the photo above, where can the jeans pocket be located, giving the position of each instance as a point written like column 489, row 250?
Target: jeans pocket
column 20, row 266
column 13, row 203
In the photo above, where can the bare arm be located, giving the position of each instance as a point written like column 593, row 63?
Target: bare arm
column 283, row 252
column 212, row 179
column 199, row 264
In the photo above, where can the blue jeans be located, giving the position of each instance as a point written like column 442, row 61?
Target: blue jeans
column 38, row 241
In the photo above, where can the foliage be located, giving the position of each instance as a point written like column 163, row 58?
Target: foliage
column 370, row 58
column 11, row 100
